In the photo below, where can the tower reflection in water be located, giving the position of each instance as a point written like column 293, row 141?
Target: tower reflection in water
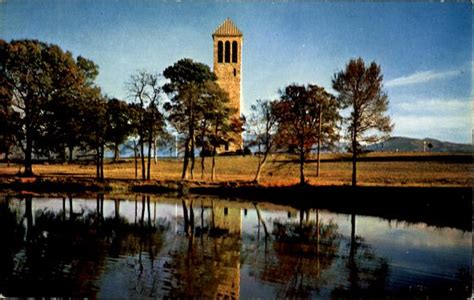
column 137, row 246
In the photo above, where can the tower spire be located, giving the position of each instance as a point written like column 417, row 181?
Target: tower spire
column 228, row 41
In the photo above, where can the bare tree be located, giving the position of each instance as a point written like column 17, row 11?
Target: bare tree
column 262, row 130
column 145, row 90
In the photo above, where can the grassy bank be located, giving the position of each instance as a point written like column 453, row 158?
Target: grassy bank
column 374, row 169
column 430, row 188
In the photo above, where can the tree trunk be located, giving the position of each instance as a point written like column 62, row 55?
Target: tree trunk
column 29, row 217
column 202, row 217
column 213, row 167
column 260, row 220
column 64, row 208
column 191, row 137
column 142, row 221
column 214, row 149
column 192, row 158
column 354, row 162
column 319, row 140
column 116, row 152
column 261, row 163
column 136, row 208
column 354, row 147
column 71, row 210
column 102, row 152
column 185, row 160
column 352, row 248
column 142, row 157
column 28, row 152
column 117, row 209
column 302, row 179
column 353, row 272
column 150, row 142
column 317, row 241
column 155, row 160
column 185, row 215
column 136, row 160
column 149, row 211
column 97, row 163
column 191, row 217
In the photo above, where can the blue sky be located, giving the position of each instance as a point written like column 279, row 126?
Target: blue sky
column 424, row 49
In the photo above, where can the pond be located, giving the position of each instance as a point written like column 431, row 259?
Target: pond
column 160, row 246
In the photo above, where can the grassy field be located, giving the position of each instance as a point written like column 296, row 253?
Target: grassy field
column 374, row 169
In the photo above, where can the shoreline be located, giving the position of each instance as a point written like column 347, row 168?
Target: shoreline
column 434, row 205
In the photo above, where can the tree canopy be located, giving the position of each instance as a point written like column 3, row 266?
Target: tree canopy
column 35, row 76
column 360, row 88
column 194, row 96
column 299, row 112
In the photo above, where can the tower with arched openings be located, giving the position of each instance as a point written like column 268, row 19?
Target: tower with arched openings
column 228, row 67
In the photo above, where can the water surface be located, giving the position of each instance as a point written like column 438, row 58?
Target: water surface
column 208, row 247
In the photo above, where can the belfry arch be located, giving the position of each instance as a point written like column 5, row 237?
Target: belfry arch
column 228, row 40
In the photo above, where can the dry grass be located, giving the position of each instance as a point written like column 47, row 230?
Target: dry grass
column 281, row 171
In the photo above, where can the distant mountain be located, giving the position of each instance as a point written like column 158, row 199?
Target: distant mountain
column 396, row 143
column 404, row 144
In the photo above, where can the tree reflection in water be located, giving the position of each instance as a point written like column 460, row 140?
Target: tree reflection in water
column 299, row 255
column 76, row 251
column 367, row 273
column 61, row 256
column 306, row 256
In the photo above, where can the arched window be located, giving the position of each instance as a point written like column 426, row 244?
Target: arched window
column 227, row 51
column 220, row 50
column 234, row 51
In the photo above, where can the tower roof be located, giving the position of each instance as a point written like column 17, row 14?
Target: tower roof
column 227, row 28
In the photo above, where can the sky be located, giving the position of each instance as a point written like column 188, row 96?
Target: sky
column 424, row 49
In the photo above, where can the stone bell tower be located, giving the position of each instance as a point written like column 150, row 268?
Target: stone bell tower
column 228, row 67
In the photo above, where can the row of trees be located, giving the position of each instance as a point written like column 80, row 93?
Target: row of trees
column 50, row 105
column 307, row 118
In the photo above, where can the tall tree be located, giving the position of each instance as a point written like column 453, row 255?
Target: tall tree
column 328, row 119
column 35, row 73
column 262, row 130
column 65, row 121
column 95, row 125
column 155, row 130
column 360, row 89
column 134, row 113
column 145, row 91
column 185, row 89
column 214, row 125
column 223, row 128
column 299, row 112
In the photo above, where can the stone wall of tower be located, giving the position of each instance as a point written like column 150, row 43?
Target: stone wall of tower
column 229, row 75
